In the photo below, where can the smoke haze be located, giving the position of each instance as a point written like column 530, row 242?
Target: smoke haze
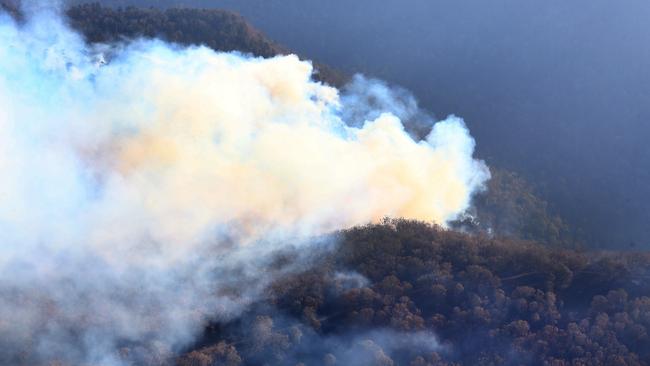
column 557, row 91
column 145, row 186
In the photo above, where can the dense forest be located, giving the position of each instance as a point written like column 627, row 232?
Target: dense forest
column 511, row 286
column 488, row 302
column 409, row 293
column 218, row 29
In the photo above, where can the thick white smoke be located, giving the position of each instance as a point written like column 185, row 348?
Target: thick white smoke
column 140, row 196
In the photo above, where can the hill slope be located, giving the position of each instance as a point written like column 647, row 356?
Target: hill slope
column 407, row 293
column 218, row 29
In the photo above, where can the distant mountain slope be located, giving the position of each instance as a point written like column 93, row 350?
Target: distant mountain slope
column 511, row 207
column 218, row 29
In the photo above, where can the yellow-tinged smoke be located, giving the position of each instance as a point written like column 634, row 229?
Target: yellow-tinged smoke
column 218, row 138
column 153, row 185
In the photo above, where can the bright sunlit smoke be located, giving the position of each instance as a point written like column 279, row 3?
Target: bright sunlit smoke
column 137, row 193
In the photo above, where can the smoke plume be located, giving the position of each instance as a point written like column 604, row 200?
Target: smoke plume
column 144, row 186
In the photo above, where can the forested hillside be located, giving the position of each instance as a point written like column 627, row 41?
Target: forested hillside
column 509, row 287
column 510, row 207
column 221, row 30
column 218, row 29
column 554, row 91
column 469, row 300
column 409, row 293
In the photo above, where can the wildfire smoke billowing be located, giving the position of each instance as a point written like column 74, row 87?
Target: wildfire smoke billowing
column 143, row 184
